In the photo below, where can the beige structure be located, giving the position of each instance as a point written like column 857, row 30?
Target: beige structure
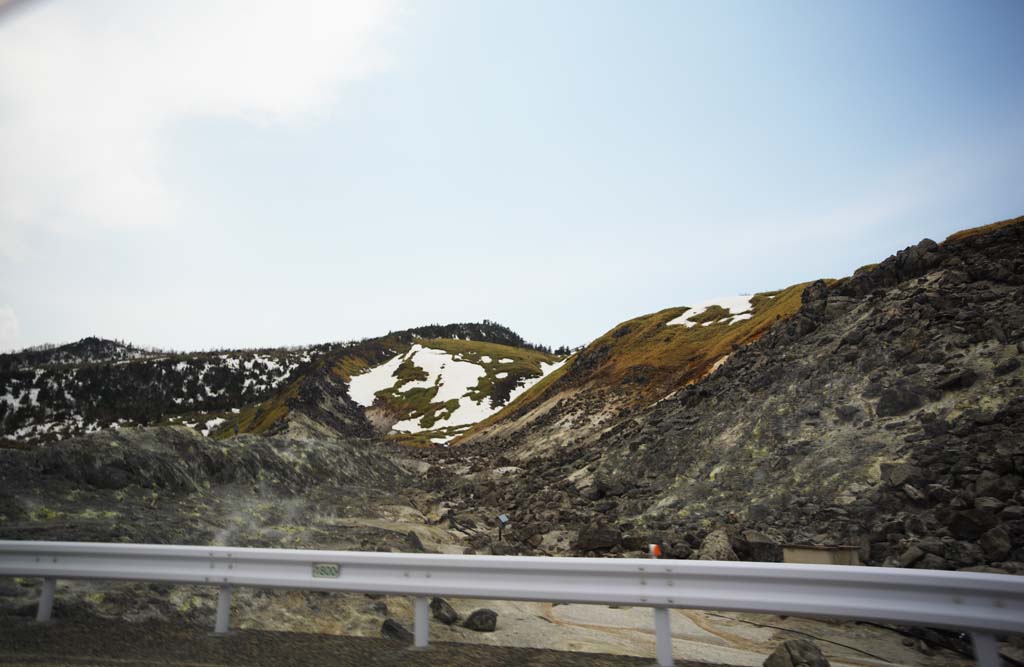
column 810, row 553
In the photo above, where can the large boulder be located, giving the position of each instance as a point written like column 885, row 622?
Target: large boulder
column 597, row 537
column 1002, row 487
column 996, row 544
column 482, row 620
column 716, row 546
column 970, row 524
column 797, row 653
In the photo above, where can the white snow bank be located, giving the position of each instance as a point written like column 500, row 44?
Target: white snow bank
column 738, row 306
column 463, row 380
column 364, row 387
column 452, row 377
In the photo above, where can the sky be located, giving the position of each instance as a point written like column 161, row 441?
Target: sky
column 226, row 173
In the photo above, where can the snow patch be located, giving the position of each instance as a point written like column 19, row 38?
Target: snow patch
column 363, row 387
column 739, row 308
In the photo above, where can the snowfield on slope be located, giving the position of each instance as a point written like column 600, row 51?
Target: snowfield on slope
column 739, row 308
column 455, row 379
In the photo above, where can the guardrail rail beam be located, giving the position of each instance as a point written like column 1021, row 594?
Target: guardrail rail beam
column 982, row 604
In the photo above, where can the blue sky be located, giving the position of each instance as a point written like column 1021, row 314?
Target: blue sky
column 208, row 175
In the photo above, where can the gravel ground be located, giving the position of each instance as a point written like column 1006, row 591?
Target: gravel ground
column 103, row 642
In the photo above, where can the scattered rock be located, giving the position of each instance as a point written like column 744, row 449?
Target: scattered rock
column 898, row 474
column 996, row 486
column 482, row 620
column 392, row 629
column 797, row 653
column 443, row 611
column 911, row 556
column 996, row 544
column 413, row 541
column 970, row 524
column 897, row 401
column 961, row 380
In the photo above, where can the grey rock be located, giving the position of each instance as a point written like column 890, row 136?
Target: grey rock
column 911, row 556
column 996, row 544
column 413, row 542
column 991, row 484
column 716, row 546
column 597, row 537
column 482, row 620
column 443, row 611
column 962, row 380
column 392, row 629
column 988, row 504
column 970, row 524
column 797, row 653
column 898, row 474
column 897, row 401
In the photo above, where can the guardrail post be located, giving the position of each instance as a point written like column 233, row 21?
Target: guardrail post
column 223, row 610
column 663, row 637
column 46, row 599
column 421, row 623
column 986, row 650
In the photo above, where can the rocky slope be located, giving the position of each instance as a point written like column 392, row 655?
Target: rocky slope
column 887, row 413
column 55, row 392
column 638, row 362
column 58, row 392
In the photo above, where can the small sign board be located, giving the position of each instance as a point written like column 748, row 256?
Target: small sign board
column 326, row 570
column 503, row 518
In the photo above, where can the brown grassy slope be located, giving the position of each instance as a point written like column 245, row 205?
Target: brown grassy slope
column 648, row 359
column 984, row 229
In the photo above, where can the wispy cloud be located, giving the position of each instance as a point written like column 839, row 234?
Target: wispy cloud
column 89, row 90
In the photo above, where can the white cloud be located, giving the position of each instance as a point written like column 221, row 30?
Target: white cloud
column 88, row 90
column 9, row 329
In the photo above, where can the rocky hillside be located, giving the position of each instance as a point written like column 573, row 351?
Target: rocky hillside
column 637, row 363
column 405, row 385
column 887, row 412
column 57, row 392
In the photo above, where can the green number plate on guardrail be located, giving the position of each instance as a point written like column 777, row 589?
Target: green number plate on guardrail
column 326, row 570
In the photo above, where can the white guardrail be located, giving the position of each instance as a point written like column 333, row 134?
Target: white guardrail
column 982, row 604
